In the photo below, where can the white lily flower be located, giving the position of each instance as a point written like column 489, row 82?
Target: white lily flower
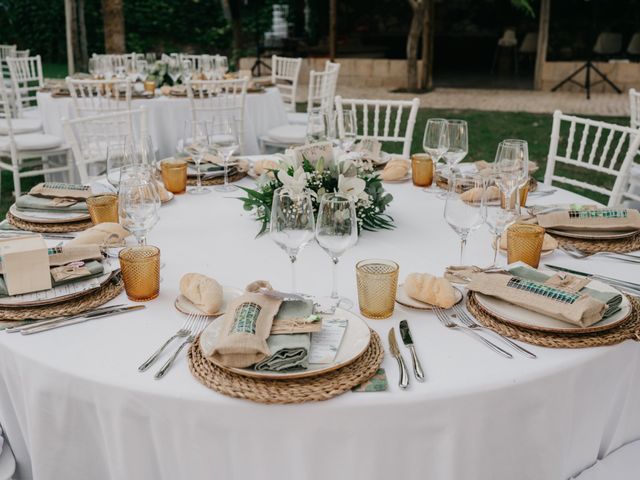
column 352, row 187
column 293, row 185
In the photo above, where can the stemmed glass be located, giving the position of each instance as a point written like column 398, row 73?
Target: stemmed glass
column 119, row 155
column 498, row 219
column 436, row 140
column 458, row 143
column 349, row 130
column 187, row 71
column 512, row 168
column 316, row 126
column 336, row 232
column 464, row 213
column 142, row 69
column 195, row 143
column 173, row 69
column 292, row 224
column 224, row 141
column 208, row 67
column 138, row 202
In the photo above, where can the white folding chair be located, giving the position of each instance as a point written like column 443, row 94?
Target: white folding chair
column 321, row 93
column 386, row 124
column 284, row 75
column 29, row 154
column 195, row 60
column 6, row 51
column 26, row 81
column 89, row 138
column 93, row 97
column 591, row 147
column 634, row 107
column 211, row 100
column 23, row 53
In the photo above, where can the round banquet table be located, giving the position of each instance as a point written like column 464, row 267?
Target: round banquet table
column 166, row 116
column 74, row 406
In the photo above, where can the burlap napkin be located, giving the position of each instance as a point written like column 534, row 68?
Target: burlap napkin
column 242, row 340
column 67, row 254
column 296, row 316
column 594, row 219
column 61, row 190
column 105, row 234
column 576, row 308
column 288, row 352
column 30, row 202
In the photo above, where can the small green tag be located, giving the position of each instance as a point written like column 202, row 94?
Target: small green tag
column 377, row 383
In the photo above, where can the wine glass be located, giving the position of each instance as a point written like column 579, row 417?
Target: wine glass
column 138, row 202
column 316, row 126
column 512, row 168
column 349, row 129
column 224, row 141
column 119, row 155
column 207, row 67
column 497, row 218
column 142, row 69
column 292, row 224
column 187, row 70
column 150, row 57
column 435, row 141
column 173, row 69
column 458, row 143
column 195, row 143
column 336, row 231
column 464, row 208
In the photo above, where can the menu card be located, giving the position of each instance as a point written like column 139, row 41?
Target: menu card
column 326, row 343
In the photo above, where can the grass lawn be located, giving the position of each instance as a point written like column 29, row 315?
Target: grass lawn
column 486, row 129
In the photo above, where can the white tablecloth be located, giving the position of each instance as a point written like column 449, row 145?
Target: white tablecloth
column 166, row 117
column 74, row 406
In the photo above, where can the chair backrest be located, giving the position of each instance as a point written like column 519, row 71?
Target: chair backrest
column 284, row 74
column 634, row 44
column 211, row 100
column 608, row 43
column 93, row 97
column 195, row 60
column 6, row 113
column 6, row 51
column 90, row 137
column 26, row 80
column 634, row 107
column 388, row 118
column 322, row 87
column 591, row 147
column 630, row 191
column 334, row 68
column 23, row 53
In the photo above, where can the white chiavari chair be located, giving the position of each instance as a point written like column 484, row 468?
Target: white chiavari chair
column 210, row 100
column 593, row 155
column 321, row 93
column 6, row 51
column 89, row 138
column 23, row 53
column 284, row 75
column 195, row 60
column 30, row 154
column 26, row 81
column 634, row 108
column 381, row 119
column 93, row 97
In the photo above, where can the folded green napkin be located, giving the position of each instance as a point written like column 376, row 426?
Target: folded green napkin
column 288, row 352
column 95, row 269
column 612, row 300
column 29, row 202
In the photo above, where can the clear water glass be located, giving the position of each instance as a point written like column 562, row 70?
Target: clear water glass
column 435, row 142
column 349, row 129
column 224, row 142
column 512, row 166
column 195, row 143
column 316, row 127
column 138, row 203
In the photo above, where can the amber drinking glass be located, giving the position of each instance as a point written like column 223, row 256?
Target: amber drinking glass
column 524, row 243
column 103, row 208
column 422, row 170
column 141, row 272
column 377, row 285
column 174, row 175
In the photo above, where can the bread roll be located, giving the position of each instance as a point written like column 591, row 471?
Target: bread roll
column 396, row 169
column 204, row 292
column 265, row 165
column 429, row 289
column 474, row 195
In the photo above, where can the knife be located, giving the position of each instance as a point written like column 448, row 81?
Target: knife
column 395, row 351
column 37, row 323
column 622, row 284
column 405, row 334
column 87, row 317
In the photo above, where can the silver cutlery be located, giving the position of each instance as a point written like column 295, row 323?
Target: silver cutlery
column 543, row 193
column 199, row 325
column 581, row 254
column 447, row 322
column 184, row 331
column 29, row 324
column 407, row 339
column 403, row 383
column 629, row 287
column 76, row 321
column 467, row 321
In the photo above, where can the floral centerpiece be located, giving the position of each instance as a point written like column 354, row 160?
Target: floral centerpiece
column 353, row 178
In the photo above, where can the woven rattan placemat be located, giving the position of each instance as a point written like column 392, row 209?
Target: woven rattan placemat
column 622, row 245
column 191, row 181
column 321, row 387
column 624, row 331
column 48, row 227
column 94, row 299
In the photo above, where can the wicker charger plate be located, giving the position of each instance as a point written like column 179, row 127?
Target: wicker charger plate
column 91, row 300
column 628, row 329
column 48, row 227
column 217, row 180
column 299, row 390
column 623, row 245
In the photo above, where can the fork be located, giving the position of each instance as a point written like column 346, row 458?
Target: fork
column 184, row 331
column 581, row 254
column 467, row 321
column 200, row 324
column 447, row 322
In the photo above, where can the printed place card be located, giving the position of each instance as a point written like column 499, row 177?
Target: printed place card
column 326, row 343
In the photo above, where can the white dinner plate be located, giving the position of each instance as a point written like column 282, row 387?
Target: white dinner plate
column 354, row 343
column 35, row 216
column 184, row 305
column 592, row 235
column 406, row 301
column 521, row 317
